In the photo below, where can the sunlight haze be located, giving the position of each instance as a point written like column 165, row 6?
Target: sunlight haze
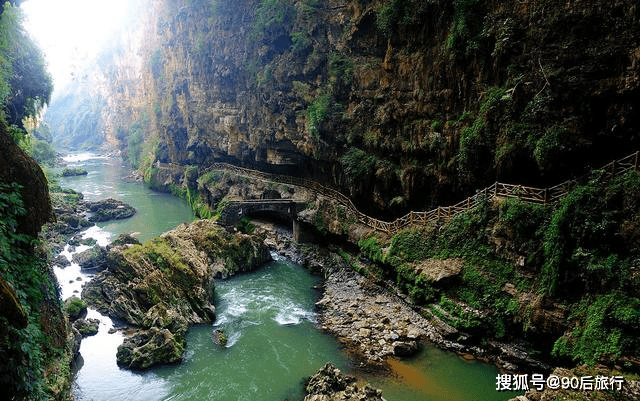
column 72, row 32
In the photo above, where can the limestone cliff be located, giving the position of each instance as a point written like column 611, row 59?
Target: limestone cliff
column 402, row 104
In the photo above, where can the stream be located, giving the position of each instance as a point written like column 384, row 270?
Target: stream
column 268, row 316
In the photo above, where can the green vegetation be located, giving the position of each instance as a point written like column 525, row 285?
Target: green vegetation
column 25, row 85
column 607, row 328
column 478, row 135
column 74, row 306
column 392, row 12
column 462, row 14
column 29, row 351
column 341, row 68
column 135, row 140
column 357, row 163
column 300, row 41
column 579, row 253
column 317, row 112
column 549, row 146
column 155, row 63
column 245, row 225
column 268, row 14
column 370, row 248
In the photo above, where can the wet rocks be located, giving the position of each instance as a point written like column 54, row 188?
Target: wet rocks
column 93, row 258
column 329, row 384
column 87, row 327
column 219, row 338
column 109, row 209
column 147, row 348
column 166, row 284
column 75, row 308
column 61, row 261
column 73, row 171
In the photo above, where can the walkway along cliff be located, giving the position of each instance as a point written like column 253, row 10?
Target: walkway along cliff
column 414, row 219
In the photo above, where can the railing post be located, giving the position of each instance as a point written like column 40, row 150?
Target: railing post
column 635, row 163
column 495, row 189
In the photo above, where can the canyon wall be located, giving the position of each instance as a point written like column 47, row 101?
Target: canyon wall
column 401, row 104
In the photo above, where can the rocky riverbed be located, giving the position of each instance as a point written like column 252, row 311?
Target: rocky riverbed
column 373, row 320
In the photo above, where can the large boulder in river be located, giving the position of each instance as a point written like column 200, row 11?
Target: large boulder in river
column 93, row 258
column 109, row 209
column 147, row 348
column 167, row 282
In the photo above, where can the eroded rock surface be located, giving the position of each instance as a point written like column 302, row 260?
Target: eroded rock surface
column 329, row 384
column 109, row 209
column 164, row 285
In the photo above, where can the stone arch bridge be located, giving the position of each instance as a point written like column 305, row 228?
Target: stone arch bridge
column 284, row 209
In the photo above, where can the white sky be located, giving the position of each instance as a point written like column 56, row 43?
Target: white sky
column 71, row 32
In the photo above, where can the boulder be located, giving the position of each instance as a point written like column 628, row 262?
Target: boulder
column 405, row 348
column 147, row 348
column 73, row 171
column 219, row 338
column 75, row 308
column 94, row 258
column 109, row 209
column 437, row 270
column 61, row 261
column 124, row 239
column 329, row 384
column 87, row 327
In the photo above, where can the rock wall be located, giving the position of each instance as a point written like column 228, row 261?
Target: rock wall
column 34, row 332
column 402, row 104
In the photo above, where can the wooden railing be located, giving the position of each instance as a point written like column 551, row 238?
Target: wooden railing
column 498, row 190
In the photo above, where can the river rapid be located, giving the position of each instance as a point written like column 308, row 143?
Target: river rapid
column 268, row 316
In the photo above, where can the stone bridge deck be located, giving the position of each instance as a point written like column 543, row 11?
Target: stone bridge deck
column 283, row 208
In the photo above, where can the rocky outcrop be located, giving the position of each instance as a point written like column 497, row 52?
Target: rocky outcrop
column 109, row 209
column 93, row 258
column 18, row 167
column 329, row 384
column 146, row 348
column 87, row 327
column 166, row 284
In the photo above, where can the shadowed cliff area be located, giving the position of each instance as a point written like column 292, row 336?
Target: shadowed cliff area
column 35, row 348
column 402, row 104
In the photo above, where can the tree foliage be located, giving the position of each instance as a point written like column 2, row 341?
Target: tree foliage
column 25, row 84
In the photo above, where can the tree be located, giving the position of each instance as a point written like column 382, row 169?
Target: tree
column 25, row 84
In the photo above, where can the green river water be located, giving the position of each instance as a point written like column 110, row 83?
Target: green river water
column 268, row 316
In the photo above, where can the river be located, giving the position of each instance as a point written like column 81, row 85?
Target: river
column 268, row 316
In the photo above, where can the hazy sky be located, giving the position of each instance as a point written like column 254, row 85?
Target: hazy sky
column 71, row 32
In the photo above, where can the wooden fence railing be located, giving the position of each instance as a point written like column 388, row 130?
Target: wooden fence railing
column 442, row 213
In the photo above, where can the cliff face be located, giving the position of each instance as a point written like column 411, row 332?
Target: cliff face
column 34, row 345
column 403, row 104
